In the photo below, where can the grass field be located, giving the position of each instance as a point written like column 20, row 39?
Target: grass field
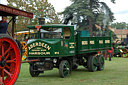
column 115, row 73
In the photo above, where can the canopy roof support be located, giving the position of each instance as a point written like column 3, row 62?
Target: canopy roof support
column 13, row 25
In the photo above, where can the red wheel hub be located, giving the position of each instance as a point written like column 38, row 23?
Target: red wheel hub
column 9, row 61
column 3, row 62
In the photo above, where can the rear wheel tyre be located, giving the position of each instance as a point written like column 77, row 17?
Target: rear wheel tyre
column 64, row 68
column 10, row 60
column 101, row 63
column 20, row 47
column 32, row 72
column 92, row 63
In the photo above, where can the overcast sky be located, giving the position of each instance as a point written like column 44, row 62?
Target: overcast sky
column 119, row 9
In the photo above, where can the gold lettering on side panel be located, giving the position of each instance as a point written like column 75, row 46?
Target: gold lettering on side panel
column 100, row 41
column 45, row 46
column 71, row 46
column 34, row 45
column 84, row 42
column 29, row 48
column 107, row 41
column 43, row 50
column 92, row 42
column 39, row 44
column 71, row 43
column 42, row 44
column 56, row 53
column 39, row 53
column 48, row 48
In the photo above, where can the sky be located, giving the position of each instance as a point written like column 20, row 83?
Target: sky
column 119, row 9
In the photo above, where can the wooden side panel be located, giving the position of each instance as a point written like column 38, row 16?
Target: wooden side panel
column 92, row 44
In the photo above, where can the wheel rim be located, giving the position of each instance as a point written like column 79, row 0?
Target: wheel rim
column 124, row 55
column 32, row 72
column 94, row 63
column 66, row 69
column 102, row 63
column 10, row 61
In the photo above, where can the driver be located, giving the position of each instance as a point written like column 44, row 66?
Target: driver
column 3, row 25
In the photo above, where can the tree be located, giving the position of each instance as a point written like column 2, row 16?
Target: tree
column 40, row 8
column 120, row 25
column 96, row 5
column 89, row 12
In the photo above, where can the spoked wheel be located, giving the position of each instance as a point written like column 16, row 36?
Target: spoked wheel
column 33, row 70
column 64, row 68
column 92, row 63
column 10, row 60
column 101, row 63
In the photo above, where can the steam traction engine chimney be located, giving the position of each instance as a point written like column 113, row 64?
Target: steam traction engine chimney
column 41, row 21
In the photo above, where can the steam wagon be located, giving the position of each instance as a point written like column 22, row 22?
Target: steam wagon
column 62, row 47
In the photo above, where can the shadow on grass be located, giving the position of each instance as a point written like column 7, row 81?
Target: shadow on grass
column 55, row 73
column 81, row 70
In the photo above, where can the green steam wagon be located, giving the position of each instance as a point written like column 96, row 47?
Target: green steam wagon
column 60, row 46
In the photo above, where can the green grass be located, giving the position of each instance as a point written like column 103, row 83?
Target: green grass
column 115, row 73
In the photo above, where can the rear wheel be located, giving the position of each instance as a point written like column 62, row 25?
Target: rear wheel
column 33, row 70
column 64, row 68
column 92, row 63
column 10, row 60
column 101, row 63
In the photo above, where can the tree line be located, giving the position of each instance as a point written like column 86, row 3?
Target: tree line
column 119, row 25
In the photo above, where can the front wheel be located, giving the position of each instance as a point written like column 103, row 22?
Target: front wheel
column 33, row 71
column 64, row 68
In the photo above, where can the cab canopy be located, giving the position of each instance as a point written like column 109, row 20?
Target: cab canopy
column 10, row 11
